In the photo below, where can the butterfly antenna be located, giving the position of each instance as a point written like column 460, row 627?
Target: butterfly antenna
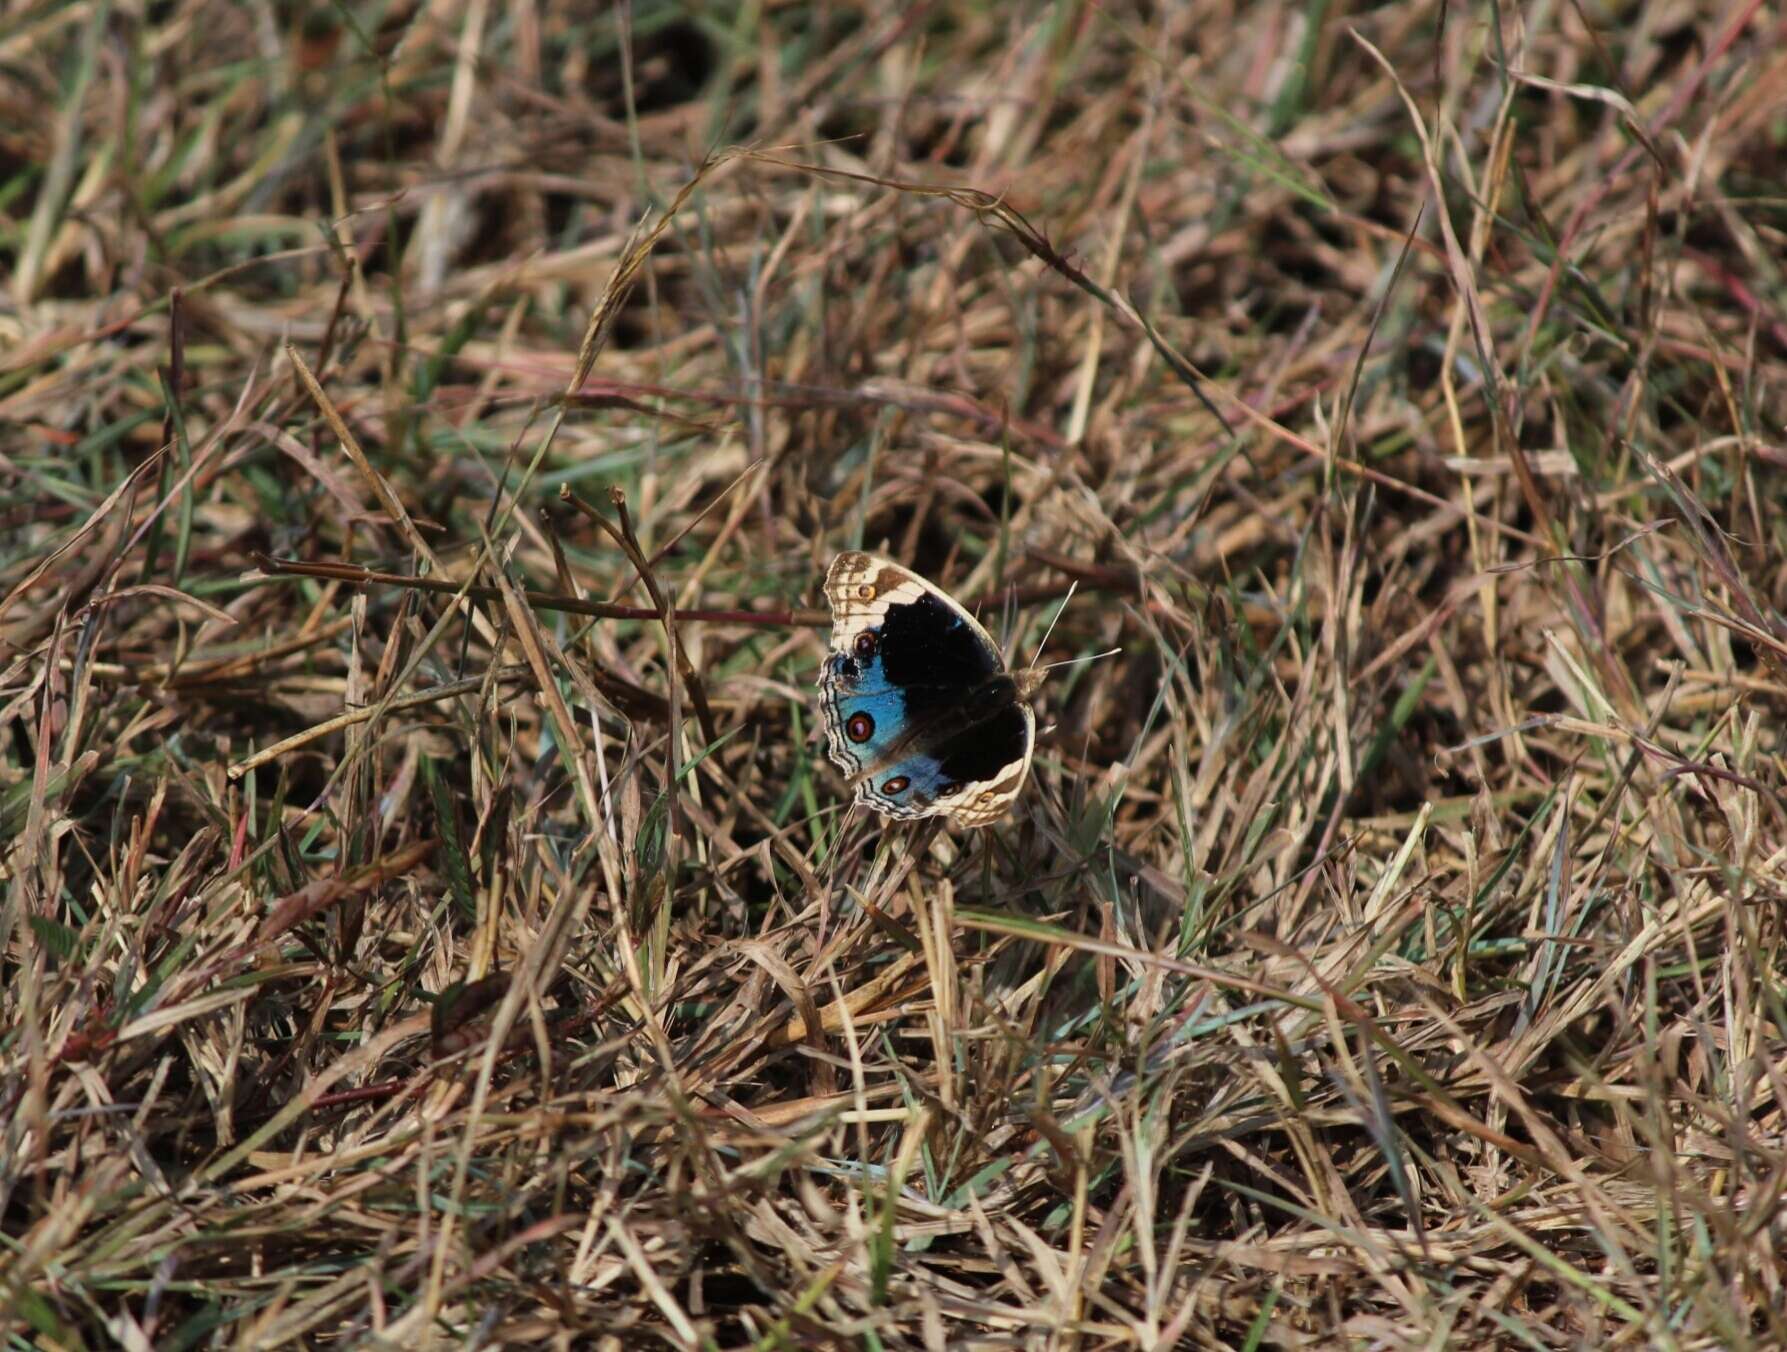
column 1075, row 661
column 1071, row 588
column 1031, row 677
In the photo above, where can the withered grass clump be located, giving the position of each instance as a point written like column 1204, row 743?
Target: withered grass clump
column 1387, row 950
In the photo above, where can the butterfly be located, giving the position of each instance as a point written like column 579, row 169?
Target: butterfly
column 919, row 709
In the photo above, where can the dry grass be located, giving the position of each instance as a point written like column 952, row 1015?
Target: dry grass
column 1388, row 949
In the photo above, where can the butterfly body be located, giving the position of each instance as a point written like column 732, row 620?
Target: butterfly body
column 919, row 709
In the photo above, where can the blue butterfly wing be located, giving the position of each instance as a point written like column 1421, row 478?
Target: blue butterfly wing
column 869, row 731
column 972, row 774
column 851, row 691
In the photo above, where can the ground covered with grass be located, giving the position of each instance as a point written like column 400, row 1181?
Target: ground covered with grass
column 1386, row 949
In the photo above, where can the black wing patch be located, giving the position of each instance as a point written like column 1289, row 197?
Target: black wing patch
column 933, row 656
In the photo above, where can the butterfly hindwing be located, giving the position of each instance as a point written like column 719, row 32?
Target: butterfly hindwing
column 918, row 708
column 863, row 713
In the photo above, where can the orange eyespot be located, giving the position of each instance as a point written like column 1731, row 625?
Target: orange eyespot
column 866, row 591
column 898, row 784
column 860, row 728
